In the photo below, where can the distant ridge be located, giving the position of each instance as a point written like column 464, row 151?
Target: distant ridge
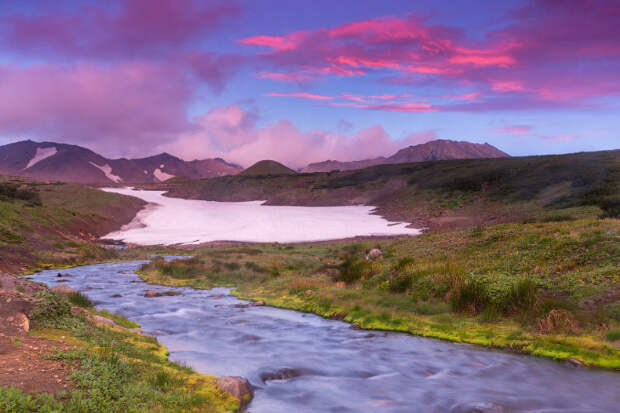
column 72, row 163
column 268, row 167
column 440, row 149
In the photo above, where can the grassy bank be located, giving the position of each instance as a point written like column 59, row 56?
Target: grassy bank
column 548, row 289
column 45, row 225
column 113, row 370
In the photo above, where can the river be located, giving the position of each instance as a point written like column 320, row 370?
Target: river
column 304, row 363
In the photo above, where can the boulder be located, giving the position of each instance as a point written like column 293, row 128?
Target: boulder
column 574, row 363
column 59, row 275
column 239, row 387
column 63, row 289
column 374, row 254
column 258, row 303
column 151, row 294
column 478, row 407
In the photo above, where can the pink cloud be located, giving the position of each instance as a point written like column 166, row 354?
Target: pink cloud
column 130, row 28
column 122, row 108
column 231, row 133
column 515, row 130
column 538, row 55
column 300, row 95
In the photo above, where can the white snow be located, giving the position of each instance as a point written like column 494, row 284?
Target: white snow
column 161, row 175
column 181, row 221
column 107, row 170
column 41, row 154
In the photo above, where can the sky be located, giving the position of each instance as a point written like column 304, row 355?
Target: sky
column 303, row 81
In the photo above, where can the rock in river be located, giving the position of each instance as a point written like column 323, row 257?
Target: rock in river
column 151, row 294
column 238, row 387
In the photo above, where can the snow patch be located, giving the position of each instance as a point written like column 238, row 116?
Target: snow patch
column 183, row 221
column 107, row 170
column 161, row 175
column 42, row 153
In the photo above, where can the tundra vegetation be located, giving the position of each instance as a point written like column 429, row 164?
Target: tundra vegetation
column 544, row 288
column 113, row 370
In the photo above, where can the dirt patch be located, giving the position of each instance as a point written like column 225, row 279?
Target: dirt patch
column 22, row 364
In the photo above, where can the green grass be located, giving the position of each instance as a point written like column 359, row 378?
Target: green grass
column 79, row 299
column 114, row 371
column 536, row 288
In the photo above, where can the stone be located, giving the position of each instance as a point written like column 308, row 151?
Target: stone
column 63, row 275
column 282, row 374
column 258, row 303
column 22, row 322
column 574, row 363
column 238, row 387
column 374, row 254
column 63, row 289
column 478, row 407
column 151, row 294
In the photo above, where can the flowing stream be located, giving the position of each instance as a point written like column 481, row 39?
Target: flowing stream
column 303, row 363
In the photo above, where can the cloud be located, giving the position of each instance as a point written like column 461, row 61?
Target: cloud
column 231, row 133
column 115, row 108
column 300, row 95
column 514, row 130
column 537, row 59
column 114, row 29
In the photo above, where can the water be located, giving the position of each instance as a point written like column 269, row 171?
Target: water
column 329, row 367
column 182, row 221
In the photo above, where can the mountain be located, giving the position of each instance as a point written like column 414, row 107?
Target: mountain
column 440, row 149
column 71, row 163
column 268, row 167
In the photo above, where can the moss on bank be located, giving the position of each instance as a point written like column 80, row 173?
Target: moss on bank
column 547, row 289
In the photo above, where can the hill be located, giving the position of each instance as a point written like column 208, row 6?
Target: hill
column 267, row 168
column 441, row 195
column 440, row 149
column 72, row 163
column 43, row 224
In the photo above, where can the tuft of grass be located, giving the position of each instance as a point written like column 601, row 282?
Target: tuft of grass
column 79, row 299
column 471, row 297
column 613, row 335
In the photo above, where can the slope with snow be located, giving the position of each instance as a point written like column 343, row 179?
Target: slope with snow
column 180, row 221
column 42, row 153
column 107, row 170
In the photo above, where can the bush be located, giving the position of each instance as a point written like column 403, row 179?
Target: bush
column 400, row 283
column 50, row 310
column 520, row 297
column 351, row 270
column 80, row 300
column 558, row 321
column 471, row 297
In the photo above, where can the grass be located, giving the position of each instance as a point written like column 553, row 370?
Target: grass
column 543, row 288
column 115, row 371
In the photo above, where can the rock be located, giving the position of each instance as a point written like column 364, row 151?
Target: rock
column 282, row 374
column 574, row 363
column 241, row 305
column 309, row 292
column 356, row 326
column 22, row 322
column 374, row 254
column 151, row 294
column 63, row 289
column 478, row 407
column 238, row 387
column 97, row 319
column 116, row 296
column 63, row 275
column 258, row 303
column 79, row 311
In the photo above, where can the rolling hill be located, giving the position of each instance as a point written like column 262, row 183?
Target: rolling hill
column 267, row 168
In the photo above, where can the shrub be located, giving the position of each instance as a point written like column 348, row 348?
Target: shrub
column 521, row 296
column 232, row 266
column 613, row 335
column 79, row 299
column 351, row 270
column 558, row 321
column 470, row 297
column 400, row 283
column 50, row 309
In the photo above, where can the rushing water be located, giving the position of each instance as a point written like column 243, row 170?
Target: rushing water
column 303, row 363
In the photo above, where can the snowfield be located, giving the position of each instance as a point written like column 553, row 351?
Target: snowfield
column 182, row 221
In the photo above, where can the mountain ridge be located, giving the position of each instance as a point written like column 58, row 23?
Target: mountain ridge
column 435, row 150
column 73, row 163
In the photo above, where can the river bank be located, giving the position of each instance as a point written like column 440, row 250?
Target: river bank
column 545, row 289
